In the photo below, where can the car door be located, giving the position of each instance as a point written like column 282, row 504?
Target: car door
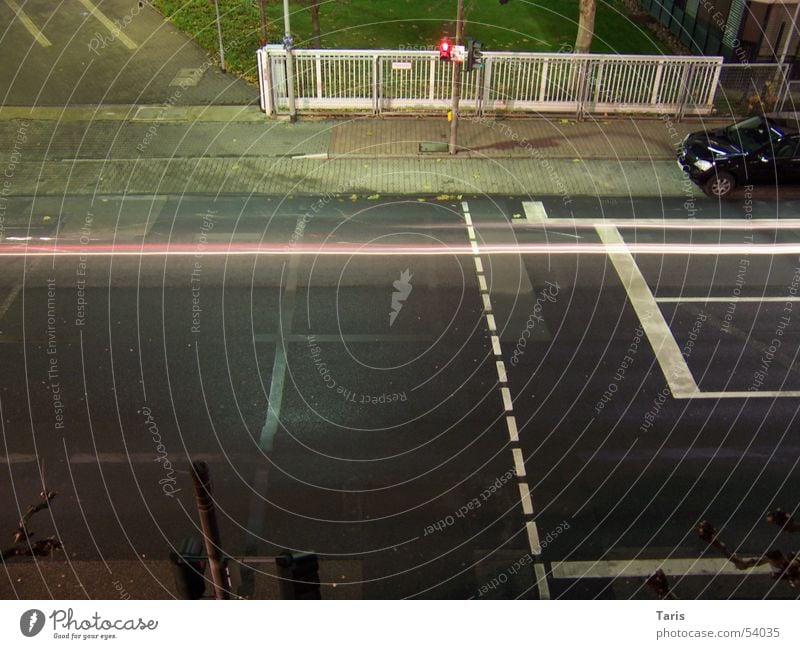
column 775, row 163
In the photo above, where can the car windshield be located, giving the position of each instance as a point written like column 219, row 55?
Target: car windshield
column 752, row 134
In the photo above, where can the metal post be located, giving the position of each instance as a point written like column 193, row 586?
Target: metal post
column 287, row 44
column 219, row 34
column 208, row 524
column 263, row 18
column 779, row 74
column 456, row 83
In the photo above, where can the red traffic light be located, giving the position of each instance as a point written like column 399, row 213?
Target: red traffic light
column 445, row 49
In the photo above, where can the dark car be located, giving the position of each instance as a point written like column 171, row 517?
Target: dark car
column 761, row 150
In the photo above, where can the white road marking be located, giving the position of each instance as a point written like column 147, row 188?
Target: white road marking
column 511, row 424
column 673, row 365
column 6, row 305
column 702, row 300
column 29, row 24
column 507, row 403
column 487, row 302
column 468, row 218
column 471, row 232
column 501, row 372
column 482, row 283
column 525, row 498
column 116, row 32
column 533, row 538
column 474, row 245
column 741, row 394
column 496, row 346
column 646, row 567
column 478, row 264
column 491, row 323
column 679, row 224
column 541, row 581
column 534, row 211
column 519, row 463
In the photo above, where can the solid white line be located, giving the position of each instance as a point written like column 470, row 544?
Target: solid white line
column 519, row 463
column 491, row 323
column 541, row 581
column 534, row 211
column 116, row 32
column 478, row 264
column 501, row 372
column 646, row 567
column 665, row 347
column 525, row 498
column 6, row 305
column 533, row 538
column 487, row 303
column 496, row 346
column 511, row 424
column 29, row 24
column 482, row 283
column 680, row 224
column 702, row 300
column 740, row 394
column 507, row 399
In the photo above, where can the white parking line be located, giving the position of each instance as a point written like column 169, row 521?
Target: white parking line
column 28, row 23
column 673, row 365
column 703, row 300
column 646, row 567
column 534, row 211
column 109, row 24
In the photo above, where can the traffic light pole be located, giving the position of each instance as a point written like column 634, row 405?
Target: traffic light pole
column 208, row 524
column 456, row 83
column 288, row 44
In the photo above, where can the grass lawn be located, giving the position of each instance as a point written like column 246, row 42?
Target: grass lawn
column 538, row 26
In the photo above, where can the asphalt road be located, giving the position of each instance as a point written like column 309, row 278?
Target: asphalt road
column 450, row 398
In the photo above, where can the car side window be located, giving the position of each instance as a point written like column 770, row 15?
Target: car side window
column 787, row 148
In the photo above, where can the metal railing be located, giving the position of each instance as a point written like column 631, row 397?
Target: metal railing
column 378, row 81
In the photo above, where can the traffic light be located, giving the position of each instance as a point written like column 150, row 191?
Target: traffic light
column 474, row 55
column 299, row 575
column 189, row 567
column 445, row 49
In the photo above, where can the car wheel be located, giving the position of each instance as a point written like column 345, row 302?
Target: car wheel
column 719, row 185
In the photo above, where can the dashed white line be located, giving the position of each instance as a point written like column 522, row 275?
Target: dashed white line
column 519, row 462
column 487, row 303
column 506, row 394
column 533, row 538
column 496, row 346
column 501, row 372
column 478, row 264
column 534, row 211
column 541, row 581
column 525, row 498
column 491, row 323
column 471, row 232
column 482, row 283
column 511, row 424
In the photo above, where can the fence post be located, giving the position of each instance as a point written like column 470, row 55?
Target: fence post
column 487, row 84
column 376, row 84
column 688, row 77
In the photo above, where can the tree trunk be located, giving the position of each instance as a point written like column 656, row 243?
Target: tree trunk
column 316, row 38
column 583, row 42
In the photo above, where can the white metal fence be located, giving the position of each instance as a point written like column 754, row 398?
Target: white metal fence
column 378, row 81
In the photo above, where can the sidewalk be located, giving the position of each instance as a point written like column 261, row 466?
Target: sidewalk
column 237, row 150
